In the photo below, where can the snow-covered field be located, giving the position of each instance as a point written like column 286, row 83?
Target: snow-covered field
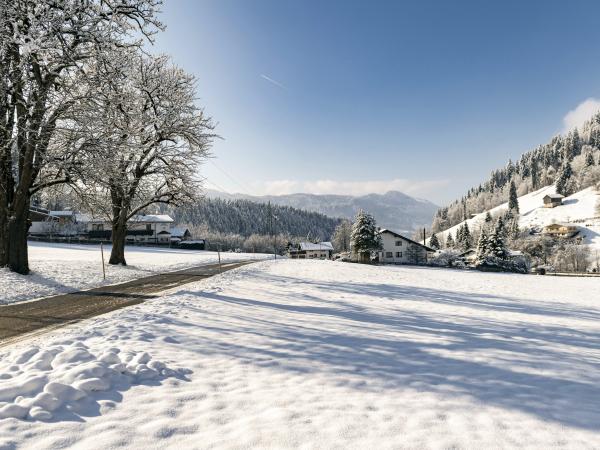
column 579, row 209
column 318, row 354
column 60, row 268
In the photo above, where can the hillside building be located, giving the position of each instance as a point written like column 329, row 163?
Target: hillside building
column 563, row 230
column 552, row 200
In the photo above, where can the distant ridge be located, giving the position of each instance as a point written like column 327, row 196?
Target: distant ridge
column 394, row 210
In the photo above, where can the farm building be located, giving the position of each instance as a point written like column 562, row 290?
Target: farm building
column 552, row 200
column 564, row 230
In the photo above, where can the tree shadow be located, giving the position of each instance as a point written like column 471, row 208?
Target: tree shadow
column 545, row 370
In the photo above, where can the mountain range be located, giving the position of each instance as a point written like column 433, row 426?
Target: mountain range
column 394, row 210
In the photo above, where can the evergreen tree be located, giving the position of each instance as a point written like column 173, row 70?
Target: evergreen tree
column 535, row 176
column 496, row 245
column 364, row 238
column 434, row 243
column 488, row 218
column 589, row 159
column 450, row 241
column 513, row 201
column 483, row 245
column 466, row 241
column 562, row 184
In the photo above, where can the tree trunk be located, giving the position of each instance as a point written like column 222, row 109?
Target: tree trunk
column 4, row 239
column 119, row 233
column 18, row 227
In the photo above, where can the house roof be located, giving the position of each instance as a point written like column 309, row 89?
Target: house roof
column 554, row 196
column 152, row 218
column 393, row 233
column 179, row 231
column 319, row 246
column 66, row 213
column 558, row 224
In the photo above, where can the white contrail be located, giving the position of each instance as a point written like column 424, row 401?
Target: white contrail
column 272, row 81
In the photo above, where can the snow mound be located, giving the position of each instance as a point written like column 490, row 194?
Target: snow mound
column 48, row 383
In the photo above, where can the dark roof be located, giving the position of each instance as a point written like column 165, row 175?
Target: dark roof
column 384, row 230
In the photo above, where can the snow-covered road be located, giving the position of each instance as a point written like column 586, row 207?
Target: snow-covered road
column 61, row 268
column 317, row 354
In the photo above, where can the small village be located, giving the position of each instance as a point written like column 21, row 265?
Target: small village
column 298, row 225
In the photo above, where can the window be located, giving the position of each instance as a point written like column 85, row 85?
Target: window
column 398, row 243
column 98, row 227
column 398, row 254
column 148, row 227
column 389, row 255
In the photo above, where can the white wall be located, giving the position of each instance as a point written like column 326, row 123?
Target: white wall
column 406, row 250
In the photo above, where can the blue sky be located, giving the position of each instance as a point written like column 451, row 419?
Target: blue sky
column 426, row 97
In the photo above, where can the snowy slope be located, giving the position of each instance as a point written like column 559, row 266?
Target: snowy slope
column 579, row 209
column 318, row 354
column 60, row 268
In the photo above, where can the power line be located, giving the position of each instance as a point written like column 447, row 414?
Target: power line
column 221, row 188
column 242, row 186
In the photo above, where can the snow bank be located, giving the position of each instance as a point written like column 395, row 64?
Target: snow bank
column 61, row 268
column 64, row 379
column 320, row 354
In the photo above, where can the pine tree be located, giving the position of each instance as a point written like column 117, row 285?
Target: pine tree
column 497, row 247
column 483, row 245
column 562, row 184
column 535, row 176
column 466, row 241
column 513, row 201
column 488, row 217
column 589, row 159
column 365, row 238
column 434, row 243
column 450, row 241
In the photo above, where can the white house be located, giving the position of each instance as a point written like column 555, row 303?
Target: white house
column 398, row 249
column 308, row 250
column 142, row 228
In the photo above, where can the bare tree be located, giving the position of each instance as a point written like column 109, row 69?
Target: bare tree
column 147, row 139
column 342, row 235
column 43, row 44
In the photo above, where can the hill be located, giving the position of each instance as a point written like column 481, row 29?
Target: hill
column 394, row 210
column 245, row 217
column 570, row 162
column 580, row 209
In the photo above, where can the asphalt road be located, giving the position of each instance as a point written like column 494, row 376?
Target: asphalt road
column 41, row 315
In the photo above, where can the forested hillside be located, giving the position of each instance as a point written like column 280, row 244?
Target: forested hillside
column 572, row 161
column 245, row 218
column 394, row 210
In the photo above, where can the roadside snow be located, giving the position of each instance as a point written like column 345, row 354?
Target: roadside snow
column 317, row 354
column 61, row 268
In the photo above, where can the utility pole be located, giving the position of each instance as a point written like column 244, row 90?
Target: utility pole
column 270, row 225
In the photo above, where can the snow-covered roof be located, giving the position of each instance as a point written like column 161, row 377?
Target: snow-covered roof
column 178, row 231
column 561, row 224
column 554, row 196
column 66, row 213
column 152, row 218
column 319, row 246
column 385, row 230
